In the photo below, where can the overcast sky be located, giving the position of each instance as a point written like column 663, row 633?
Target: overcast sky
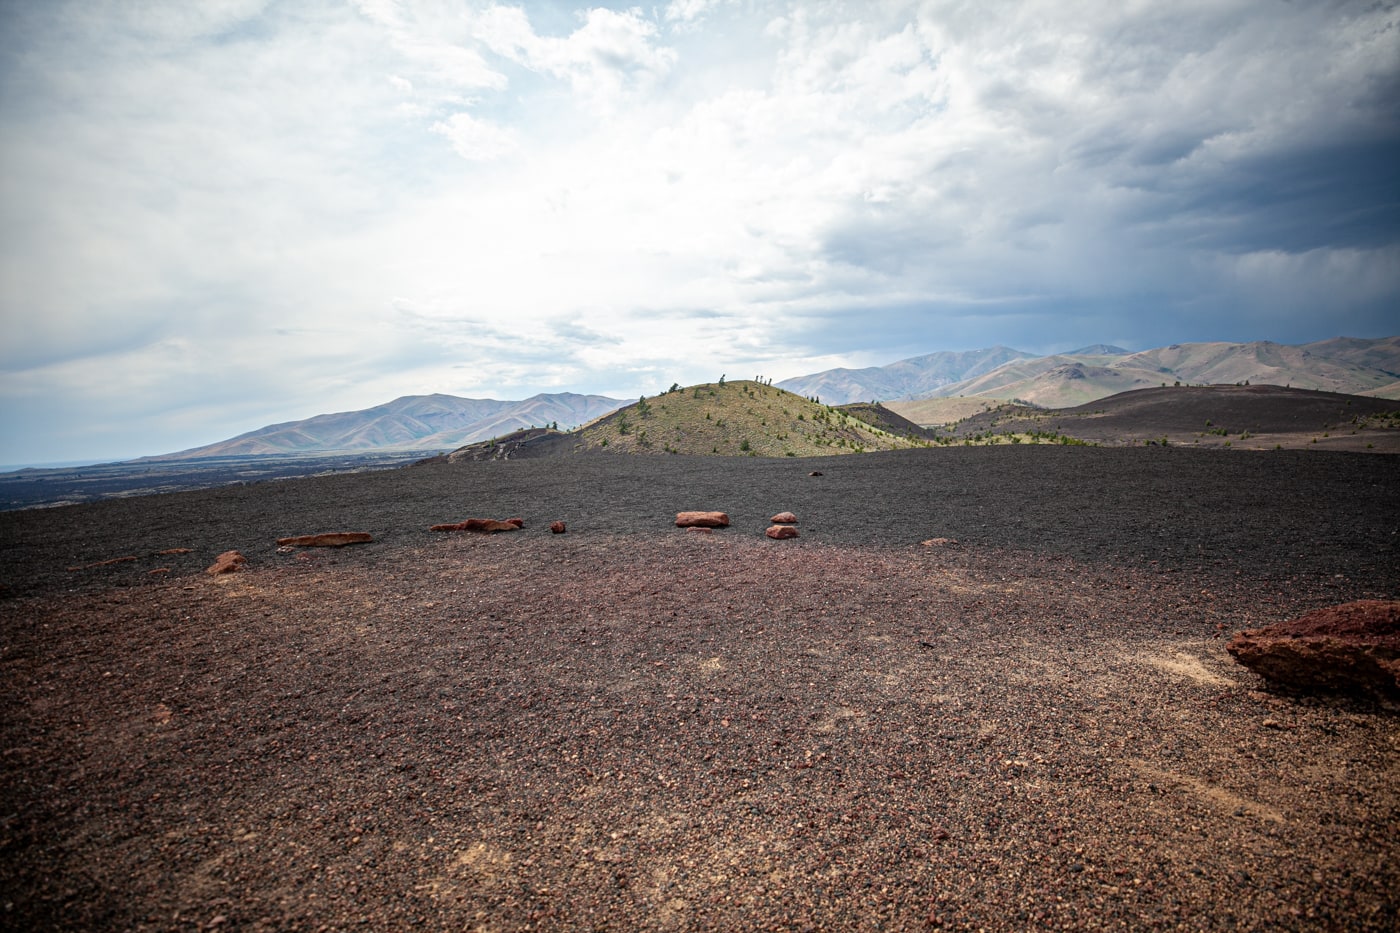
column 223, row 214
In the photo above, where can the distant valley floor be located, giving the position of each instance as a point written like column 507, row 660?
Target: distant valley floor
column 34, row 488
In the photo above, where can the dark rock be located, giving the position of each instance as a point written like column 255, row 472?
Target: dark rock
column 1353, row 647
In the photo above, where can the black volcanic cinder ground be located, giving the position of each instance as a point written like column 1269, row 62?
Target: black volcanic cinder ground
column 1273, row 513
column 634, row 727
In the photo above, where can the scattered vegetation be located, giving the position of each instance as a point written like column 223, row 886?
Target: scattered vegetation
column 1378, row 420
column 743, row 418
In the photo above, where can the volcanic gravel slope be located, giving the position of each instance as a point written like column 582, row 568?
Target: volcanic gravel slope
column 634, row 726
column 1260, row 417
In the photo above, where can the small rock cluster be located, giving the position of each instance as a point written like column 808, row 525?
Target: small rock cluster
column 706, row 521
column 782, row 526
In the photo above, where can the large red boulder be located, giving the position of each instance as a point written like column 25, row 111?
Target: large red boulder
column 227, row 562
column 702, row 520
column 1354, row 647
column 780, row 532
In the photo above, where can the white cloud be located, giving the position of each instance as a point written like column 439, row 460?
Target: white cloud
column 401, row 196
column 474, row 139
column 609, row 54
column 430, row 40
column 688, row 11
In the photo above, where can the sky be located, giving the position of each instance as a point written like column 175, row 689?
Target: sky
column 220, row 215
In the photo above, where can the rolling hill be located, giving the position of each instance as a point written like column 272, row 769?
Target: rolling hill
column 414, row 422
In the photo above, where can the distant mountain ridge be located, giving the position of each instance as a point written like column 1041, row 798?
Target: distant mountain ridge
column 1341, row 364
column 413, row 422
column 917, row 377
column 447, row 422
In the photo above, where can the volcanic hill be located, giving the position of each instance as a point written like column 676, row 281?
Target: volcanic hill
column 740, row 418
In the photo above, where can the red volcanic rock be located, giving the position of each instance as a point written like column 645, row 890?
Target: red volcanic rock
column 481, row 525
column 517, row 522
column 779, row 532
column 103, row 563
column 227, row 562
column 557, row 528
column 327, row 539
column 702, row 520
column 784, row 518
column 1354, row 647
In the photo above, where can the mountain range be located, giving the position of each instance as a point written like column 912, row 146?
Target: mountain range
column 413, row 422
column 935, row 388
column 1342, row 364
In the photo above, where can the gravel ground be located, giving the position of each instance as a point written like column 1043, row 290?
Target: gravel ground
column 1277, row 514
column 633, row 726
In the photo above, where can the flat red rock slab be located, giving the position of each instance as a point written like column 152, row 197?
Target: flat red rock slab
column 780, row 532
column 103, row 563
column 702, row 520
column 328, row 539
column 784, row 518
column 489, row 526
column 1353, row 647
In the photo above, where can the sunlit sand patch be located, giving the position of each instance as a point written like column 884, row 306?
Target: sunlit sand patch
column 1213, row 794
column 1184, row 665
column 833, row 720
column 482, row 858
column 479, row 865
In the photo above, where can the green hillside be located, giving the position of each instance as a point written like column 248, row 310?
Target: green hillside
column 742, row 418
